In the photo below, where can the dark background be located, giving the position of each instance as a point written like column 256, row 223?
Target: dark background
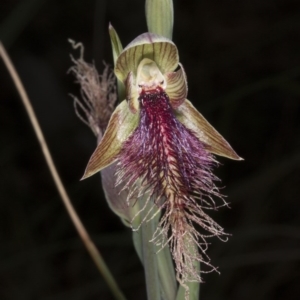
column 242, row 59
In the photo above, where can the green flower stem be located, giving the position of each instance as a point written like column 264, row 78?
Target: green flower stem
column 147, row 250
column 166, row 274
column 160, row 17
column 150, row 262
column 161, row 260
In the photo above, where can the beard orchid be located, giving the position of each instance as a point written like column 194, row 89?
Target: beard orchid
column 164, row 150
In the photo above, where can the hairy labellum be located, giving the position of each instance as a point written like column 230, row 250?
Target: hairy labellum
column 165, row 160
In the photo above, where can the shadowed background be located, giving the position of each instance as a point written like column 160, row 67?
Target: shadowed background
column 243, row 66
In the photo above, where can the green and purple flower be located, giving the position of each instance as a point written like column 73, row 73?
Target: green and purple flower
column 163, row 150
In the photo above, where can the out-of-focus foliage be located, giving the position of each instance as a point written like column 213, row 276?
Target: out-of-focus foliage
column 243, row 68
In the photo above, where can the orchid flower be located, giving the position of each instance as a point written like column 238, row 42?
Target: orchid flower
column 164, row 149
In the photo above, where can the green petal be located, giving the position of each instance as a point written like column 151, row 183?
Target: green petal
column 122, row 123
column 160, row 17
column 148, row 45
column 189, row 116
column 176, row 87
column 115, row 42
column 116, row 49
